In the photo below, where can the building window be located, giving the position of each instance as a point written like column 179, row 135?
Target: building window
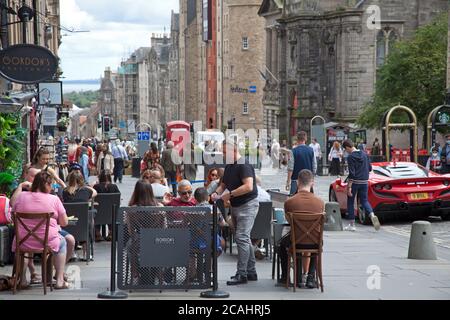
column 231, row 72
column 244, row 43
column 386, row 39
column 245, row 108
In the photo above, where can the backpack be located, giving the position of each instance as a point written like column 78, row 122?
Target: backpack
column 5, row 210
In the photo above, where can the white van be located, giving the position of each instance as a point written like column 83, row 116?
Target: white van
column 213, row 139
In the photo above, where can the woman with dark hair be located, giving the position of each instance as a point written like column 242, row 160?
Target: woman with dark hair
column 40, row 161
column 105, row 185
column 213, row 180
column 151, row 158
column 40, row 200
column 143, row 195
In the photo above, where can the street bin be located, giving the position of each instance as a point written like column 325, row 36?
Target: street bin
column 136, row 165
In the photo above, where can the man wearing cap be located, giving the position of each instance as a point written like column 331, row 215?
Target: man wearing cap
column 119, row 154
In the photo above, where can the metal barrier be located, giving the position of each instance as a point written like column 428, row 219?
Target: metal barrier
column 165, row 248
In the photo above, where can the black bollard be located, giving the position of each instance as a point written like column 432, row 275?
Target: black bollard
column 112, row 293
column 215, row 293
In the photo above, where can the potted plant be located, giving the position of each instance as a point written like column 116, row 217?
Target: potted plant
column 63, row 123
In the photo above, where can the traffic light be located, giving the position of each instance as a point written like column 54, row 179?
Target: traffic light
column 106, row 124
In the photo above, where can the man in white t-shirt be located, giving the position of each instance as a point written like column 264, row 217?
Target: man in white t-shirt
column 317, row 152
column 159, row 190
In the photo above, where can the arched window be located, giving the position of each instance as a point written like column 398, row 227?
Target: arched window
column 386, row 39
column 381, row 48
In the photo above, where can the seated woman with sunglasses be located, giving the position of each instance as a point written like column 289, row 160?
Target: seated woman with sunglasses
column 213, row 180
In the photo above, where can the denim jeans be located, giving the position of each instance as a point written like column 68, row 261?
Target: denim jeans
column 245, row 217
column 361, row 191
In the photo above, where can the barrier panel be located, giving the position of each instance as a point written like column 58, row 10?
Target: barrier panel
column 164, row 248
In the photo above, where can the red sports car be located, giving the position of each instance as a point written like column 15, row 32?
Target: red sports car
column 400, row 189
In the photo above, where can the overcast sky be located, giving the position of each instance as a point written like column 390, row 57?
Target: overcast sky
column 116, row 28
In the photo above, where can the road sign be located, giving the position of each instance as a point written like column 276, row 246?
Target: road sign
column 131, row 126
column 252, row 89
column 143, row 136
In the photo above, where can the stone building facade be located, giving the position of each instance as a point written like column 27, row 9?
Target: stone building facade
column 132, row 85
column 323, row 55
column 192, row 62
column 241, row 56
column 43, row 30
column 174, row 87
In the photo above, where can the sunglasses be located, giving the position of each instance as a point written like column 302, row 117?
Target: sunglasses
column 185, row 192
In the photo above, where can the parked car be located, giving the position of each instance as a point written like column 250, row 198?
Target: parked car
column 400, row 189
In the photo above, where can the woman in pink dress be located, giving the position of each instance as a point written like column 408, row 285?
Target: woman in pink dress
column 37, row 201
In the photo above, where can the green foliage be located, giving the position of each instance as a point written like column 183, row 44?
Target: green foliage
column 414, row 75
column 82, row 99
column 12, row 148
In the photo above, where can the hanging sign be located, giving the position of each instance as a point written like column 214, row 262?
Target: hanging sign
column 27, row 64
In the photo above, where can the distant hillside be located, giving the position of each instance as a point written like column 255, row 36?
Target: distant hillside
column 85, row 81
column 82, row 99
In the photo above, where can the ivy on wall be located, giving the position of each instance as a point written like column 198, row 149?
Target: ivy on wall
column 12, row 148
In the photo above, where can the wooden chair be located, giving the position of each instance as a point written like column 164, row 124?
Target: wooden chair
column 42, row 225
column 306, row 237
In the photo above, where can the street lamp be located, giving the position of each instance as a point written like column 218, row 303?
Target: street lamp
column 8, row 105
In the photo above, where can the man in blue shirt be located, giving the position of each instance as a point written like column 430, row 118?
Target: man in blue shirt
column 359, row 168
column 302, row 158
column 120, row 155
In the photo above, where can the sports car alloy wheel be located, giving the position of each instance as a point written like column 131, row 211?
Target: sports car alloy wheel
column 363, row 217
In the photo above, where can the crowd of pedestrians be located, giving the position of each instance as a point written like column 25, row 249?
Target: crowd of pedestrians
column 164, row 182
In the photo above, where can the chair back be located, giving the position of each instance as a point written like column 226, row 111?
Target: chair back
column 106, row 203
column 36, row 226
column 263, row 222
column 306, row 229
column 81, row 211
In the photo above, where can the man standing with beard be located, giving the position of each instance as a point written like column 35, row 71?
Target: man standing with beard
column 239, row 179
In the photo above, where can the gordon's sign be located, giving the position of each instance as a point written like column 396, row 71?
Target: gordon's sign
column 27, row 64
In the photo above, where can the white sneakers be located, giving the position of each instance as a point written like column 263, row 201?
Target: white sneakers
column 375, row 221
column 350, row 226
column 373, row 218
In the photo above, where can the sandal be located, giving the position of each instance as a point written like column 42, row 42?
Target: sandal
column 65, row 277
column 35, row 279
column 65, row 285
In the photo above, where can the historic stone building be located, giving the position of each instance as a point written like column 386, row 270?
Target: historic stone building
column 192, row 62
column 322, row 56
column 241, row 59
column 132, row 85
column 159, row 78
column 174, row 88
column 107, row 103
